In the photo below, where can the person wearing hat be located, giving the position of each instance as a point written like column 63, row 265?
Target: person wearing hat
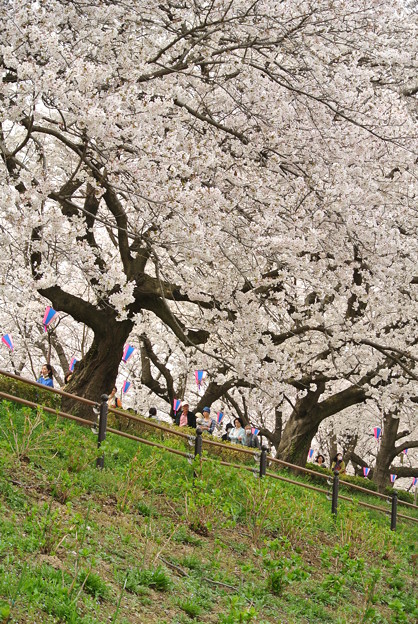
column 225, row 436
column 208, row 423
column 185, row 417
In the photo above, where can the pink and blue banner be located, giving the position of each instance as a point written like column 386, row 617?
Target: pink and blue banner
column 127, row 352
column 8, row 341
column 254, row 430
column 377, row 432
column 414, row 481
column 72, row 364
column 176, row 405
column 219, row 417
column 392, row 478
column 126, row 386
column 48, row 316
column 366, row 471
column 405, row 451
column 199, row 376
column 310, row 454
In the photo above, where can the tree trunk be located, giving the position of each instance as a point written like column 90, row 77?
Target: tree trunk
column 296, row 439
column 385, row 453
column 96, row 373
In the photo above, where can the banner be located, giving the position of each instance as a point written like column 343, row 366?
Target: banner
column 8, row 341
column 127, row 352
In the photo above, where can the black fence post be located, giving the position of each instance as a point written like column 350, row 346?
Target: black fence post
column 102, row 427
column 263, row 462
column 197, row 448
column 335, row 485
column 394, row 510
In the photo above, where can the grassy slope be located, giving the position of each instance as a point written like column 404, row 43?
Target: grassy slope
column 137, row 542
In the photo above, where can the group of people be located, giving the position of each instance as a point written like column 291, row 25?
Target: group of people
column 235, row 433
column 337, row 464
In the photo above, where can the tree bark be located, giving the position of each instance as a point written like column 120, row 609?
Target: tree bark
column 381, row 474
column 96, row 373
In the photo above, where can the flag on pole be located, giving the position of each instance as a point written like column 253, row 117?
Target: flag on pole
column 310, row 454
column 127, row 352
column 199, row 376
column 8, row 341
column 72, row 364
column 377, row 432
column 176, row 405
column 126, row 386
column 405, row 451
column 254, row 430
column 392, row 478
column 414, row 481
column 48, row 316
column 366, row 471
column 219, row 417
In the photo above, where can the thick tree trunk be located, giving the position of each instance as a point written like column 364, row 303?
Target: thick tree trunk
column 296, row 439
column 96, row 373
column 307, row 415
column 381, row 474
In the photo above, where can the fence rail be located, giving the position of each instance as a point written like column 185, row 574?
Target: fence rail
column 199, row 441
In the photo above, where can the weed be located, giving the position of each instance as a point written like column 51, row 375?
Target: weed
column 33, row 437
column 157, row 578
column 93, row 584
column 189, row 606
column 131, row 488
column 192, row 562
column 238, row 614
column 182, row 536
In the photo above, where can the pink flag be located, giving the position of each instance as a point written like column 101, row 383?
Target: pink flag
column 127, row 352
column 8, row 341
column 392, row 478
column 199, row 376
column 310, row 454
column 48, row 316
column 366, row 471
column 176, row 405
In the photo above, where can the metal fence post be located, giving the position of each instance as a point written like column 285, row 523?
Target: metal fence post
column 197, row 448
column 394, row 510
column 335, row 485
column 102, row 427
column 263, row 462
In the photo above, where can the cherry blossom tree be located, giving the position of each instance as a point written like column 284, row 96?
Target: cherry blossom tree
column 243, row 173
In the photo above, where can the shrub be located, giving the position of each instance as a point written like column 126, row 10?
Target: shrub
column 402, row 495
column 36, row 394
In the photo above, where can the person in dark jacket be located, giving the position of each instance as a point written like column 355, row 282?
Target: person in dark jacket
column 251, row 439
column 225, row 436
column 185, row 417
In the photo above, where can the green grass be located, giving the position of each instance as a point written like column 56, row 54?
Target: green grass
column 143, row 541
